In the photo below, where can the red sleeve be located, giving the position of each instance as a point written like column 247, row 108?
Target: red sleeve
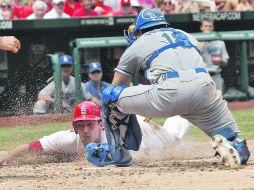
column 35, row 146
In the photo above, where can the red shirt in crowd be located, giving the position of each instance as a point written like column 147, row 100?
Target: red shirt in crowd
column 81, row 13
column 27, row 10
column 120, row 12
column 107, row 10
column 69, row 10
column 17, row 10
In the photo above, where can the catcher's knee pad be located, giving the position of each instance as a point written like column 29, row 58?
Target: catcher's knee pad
column 111, row 93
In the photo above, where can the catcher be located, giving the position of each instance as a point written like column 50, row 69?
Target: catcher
column 87, row 127
column 180, row 85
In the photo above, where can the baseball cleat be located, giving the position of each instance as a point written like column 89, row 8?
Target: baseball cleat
column 230, row 156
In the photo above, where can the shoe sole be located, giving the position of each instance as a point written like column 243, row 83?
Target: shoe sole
column 229, row 154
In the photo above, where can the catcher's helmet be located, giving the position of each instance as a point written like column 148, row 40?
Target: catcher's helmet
column 85, row 111
column 147, row 18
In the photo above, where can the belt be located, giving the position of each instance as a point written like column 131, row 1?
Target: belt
column 212, row 73
column 175, row 74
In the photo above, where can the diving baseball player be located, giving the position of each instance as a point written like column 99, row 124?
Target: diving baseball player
column 87, row 127
column 180, row 85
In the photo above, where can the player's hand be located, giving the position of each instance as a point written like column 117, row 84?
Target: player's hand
column 10, row 43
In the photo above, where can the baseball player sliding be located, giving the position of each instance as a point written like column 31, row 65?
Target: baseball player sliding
column 10, row 43
column 180, row 85
column 87, row 127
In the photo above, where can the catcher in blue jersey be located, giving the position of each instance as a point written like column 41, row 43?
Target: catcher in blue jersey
column 180, row 85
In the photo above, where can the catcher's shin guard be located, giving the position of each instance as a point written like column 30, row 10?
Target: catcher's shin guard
column 234, row 152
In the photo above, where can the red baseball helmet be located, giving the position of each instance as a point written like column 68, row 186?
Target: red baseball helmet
column 86, row 111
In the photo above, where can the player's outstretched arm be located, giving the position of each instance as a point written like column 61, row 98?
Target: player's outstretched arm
column 10, row 43
column 18, row 151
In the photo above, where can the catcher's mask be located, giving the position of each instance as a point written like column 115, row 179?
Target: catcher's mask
column 86, row 111
column 147, row 18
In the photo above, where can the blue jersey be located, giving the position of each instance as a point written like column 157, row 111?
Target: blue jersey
column 94, row 90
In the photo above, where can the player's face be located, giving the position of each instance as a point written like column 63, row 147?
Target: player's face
column 59, row 7
column 39, row 13
column 96, row 76
column 207, row 26
column 89, row 131
column 167, row 6
column 66, row 73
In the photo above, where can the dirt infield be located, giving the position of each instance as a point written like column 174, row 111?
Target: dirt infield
column 190, row 166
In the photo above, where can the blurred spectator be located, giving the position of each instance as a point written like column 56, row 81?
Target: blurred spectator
column 147, row 3
column 85, row 9
column 136, row 6
column 244, row 5
column 95, row 85
column 57, row 11
column 214, row 54
column 49, row 5
column 17, row 8
column 114, row 4
column 28, row 9
column 167, row 7
column 6, row 10
column 39, row 10
column 193, row 6
column 203, row 6
column 226, row 5
column 45, row 103
column 101, row 9
column 125, row 9
column 70, row 6
column 183, row 6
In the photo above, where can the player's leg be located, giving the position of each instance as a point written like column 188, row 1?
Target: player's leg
column 157, row 100
column 212, row 116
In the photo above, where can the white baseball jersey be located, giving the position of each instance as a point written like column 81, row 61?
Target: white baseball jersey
column 64, row 141
column 68, row 141
column 68, row 92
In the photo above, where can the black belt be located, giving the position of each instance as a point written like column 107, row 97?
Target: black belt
column 175, row 74
column 211, row 73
